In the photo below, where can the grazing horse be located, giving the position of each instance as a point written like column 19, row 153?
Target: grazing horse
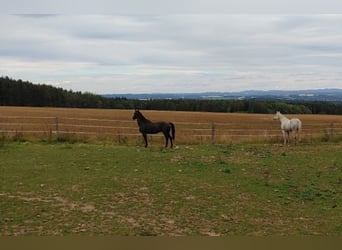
column 294, row 125
column 148, row 127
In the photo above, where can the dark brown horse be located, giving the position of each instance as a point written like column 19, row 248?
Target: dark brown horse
column 148, row 127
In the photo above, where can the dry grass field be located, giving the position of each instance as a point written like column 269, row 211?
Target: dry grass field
column 117, row 126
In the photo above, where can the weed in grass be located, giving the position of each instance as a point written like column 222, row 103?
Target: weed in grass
column 71, row 138
column 266, row 177
column 18, row 137
column 311, row 193
column 227, row 171
column 221, row 160
column 2, row 140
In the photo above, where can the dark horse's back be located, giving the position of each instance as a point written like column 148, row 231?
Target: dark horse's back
column 165, row 127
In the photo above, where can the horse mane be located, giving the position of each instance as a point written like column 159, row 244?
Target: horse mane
column 142, row 117
column 280, row 115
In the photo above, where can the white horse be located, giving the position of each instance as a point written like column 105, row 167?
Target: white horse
column 294, row 125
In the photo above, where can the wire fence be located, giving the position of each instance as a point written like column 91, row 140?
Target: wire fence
column 126, row 131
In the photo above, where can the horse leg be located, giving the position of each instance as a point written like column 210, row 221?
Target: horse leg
column 296, row 137
column 167, row 137
column 145, row 139
column 171, row 140
column 284, row 136
column 166, row 140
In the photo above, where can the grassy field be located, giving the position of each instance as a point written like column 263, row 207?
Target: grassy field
column 233, row 189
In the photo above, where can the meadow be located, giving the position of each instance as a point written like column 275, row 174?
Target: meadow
column 101, row 189
column 97, row 187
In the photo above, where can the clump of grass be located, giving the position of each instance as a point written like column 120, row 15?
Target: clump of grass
column 18, row 137
column 71, row 138
column 266, row 177
column 2, row 139
column 311, row 193
column 227, row 171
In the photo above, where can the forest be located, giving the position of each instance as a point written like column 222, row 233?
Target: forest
column 23, row 93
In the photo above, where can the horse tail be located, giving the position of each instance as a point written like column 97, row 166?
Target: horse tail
column 299, row 125
column 173, row 131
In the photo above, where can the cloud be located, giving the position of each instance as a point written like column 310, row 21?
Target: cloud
column 173, row 53
column 157, row 7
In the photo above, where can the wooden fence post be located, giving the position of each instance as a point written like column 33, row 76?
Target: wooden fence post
column 57, row 128
column 331, row 131
column 212, row 133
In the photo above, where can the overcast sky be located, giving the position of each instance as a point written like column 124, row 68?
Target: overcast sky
column 175, row 52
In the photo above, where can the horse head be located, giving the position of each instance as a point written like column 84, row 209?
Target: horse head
column 277, row 116
column 136, row 114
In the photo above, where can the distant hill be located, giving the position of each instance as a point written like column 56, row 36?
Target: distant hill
column 321, row 95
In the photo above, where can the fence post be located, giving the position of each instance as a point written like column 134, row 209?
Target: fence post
column 57, row 128
column 213, row 133
column 331, row 131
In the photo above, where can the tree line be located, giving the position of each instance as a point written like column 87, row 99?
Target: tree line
column 24, row 93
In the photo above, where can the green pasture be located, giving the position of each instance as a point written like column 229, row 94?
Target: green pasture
column 103, row 189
